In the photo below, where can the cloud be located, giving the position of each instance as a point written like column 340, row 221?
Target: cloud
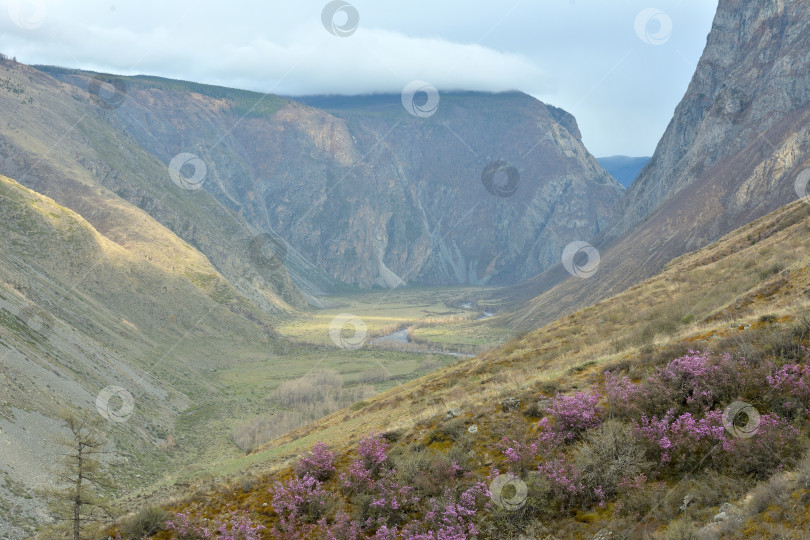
column 305, row 59
column 583, row 55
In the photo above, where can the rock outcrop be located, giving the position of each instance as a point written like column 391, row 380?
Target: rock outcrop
column 734, row 151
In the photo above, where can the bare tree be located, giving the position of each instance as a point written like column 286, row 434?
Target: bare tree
column 82, row 475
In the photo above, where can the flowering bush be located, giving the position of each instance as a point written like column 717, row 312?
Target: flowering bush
column 373, row 451
column 366, row 470
column 389, row 501
column 792, row 382
column 451, row 519
column 684, row 381
column 565, row 481
column 299, row 502
column 344, row 528
column 189, row 527
column 682, row 440
column 320, row 463
column 572, row 415
column 775, row 444
column 621, row 394
column 521, row 456
column 699, row 382
column 238, row 526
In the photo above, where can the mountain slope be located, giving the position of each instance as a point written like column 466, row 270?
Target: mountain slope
column 732, row 153
column 376, row 196
column 747, row 97
column 78, row 313
column 59, row 142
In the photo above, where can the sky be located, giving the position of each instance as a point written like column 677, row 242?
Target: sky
column 620, row 66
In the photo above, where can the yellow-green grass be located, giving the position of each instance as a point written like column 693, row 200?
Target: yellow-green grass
column 381, row 311
column 480, row 333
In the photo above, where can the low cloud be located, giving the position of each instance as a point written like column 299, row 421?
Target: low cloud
column 304, row 60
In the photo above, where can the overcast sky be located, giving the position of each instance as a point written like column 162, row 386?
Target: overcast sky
column 620, row 66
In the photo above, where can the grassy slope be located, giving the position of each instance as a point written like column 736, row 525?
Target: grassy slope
column 715, row 295
column 61, row 144
column 79, row 312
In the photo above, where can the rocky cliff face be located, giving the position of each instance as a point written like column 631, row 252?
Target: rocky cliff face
column 394, row 198
column 734, row 151
column 375, row 196
column 751, row 84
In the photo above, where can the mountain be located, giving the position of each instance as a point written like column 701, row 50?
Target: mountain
column 373, row 195
column 625, row 169
column 741, row 127
column 733, row 152
column 79, row 313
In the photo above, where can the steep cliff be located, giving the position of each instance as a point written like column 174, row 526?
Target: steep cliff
column 734, row 151
column 742, row 114
column 374, row 195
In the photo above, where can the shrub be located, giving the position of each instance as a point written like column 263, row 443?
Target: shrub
column 682, row 441
column 301, row 500
column 146, row 522
column 774, row 492
column 776, row 444
column 189, row 526
column 572, row 415
column 384, row 502
column 610, row 456
column 521, row 456
column 343, row 528
column 792, row 382
column 238, row 526
column 564, row 481
column 453, row 429
column 373, row 452
column 452, row 517
column 621, row 394
column 681, row 529
column 803, row 472
column 428, row 471
column 319, row 463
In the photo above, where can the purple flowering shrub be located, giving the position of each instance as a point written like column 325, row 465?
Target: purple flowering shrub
column 792, row 383
column 565, row 481
column 237, row 526
column 615, row 442
column 621, row 395
column 452, row 516
column 682, row 440
column 521, row 456
column 775, row 444
column 299, row 503
column 343, row 528
column 698, row 382
column 319, row 464
column 569, row 416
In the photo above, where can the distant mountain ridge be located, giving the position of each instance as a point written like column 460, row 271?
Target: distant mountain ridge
column 374, row 196
column 625, row 169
